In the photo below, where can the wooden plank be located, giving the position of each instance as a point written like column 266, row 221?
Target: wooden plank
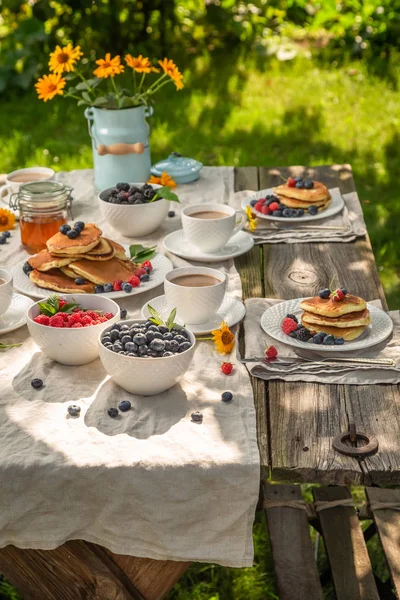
column 388, row 525
column 294, row 564
column 345, row 546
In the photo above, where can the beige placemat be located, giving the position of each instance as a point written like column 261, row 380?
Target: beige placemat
column 151, row 483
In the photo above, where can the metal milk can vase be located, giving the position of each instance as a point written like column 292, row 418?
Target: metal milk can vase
column 120, row 144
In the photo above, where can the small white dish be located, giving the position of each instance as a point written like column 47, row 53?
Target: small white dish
column 239, row 244
column 232, row 311
column 334, row 208
column 380, row 328
column 15, row 315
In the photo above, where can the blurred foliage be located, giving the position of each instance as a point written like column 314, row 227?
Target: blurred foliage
column 333, row 29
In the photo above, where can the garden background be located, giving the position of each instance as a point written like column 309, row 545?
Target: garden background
column 268, row 82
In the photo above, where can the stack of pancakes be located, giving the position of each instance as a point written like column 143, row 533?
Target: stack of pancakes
column 347, row 318
column 89, row 256
column 293, row 197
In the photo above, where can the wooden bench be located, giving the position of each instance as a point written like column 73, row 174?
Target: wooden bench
column 335, row 518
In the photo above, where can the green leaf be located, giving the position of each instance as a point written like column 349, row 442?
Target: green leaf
column 81, row 103
column 155, row 317
column 86, row 97
column 5, row 346
column 170, row 321
column 165, row 192
column 81, row 86
column 100, row 101
column 139, row 253
column 70, row 76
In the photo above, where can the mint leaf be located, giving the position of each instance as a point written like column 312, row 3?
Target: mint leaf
column 170, row 321
column 139, row 253
column 167, row 193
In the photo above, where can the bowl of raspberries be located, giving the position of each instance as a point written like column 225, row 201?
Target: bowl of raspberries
column 133, row 209
column 67, row 331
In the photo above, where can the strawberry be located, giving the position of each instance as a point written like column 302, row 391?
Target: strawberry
column 117, row 285
column 288, row 325
column 291, row 182
column 271, row 352
column 265, row 210
column 273, row 206
column 337, row 296
column 226, row 368
column 134, row 281
column 147, row 264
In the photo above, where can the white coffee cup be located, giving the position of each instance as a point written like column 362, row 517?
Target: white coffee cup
column 6, row 291
column 29, row 174
column 208, row 234
column 194, row 304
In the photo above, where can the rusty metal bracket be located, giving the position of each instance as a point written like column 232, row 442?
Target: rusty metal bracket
column 353, row 436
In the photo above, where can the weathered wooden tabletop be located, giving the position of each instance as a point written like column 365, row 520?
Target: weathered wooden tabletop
column 297, row 421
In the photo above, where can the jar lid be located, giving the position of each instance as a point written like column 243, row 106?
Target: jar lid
column 41, row 195
column 181, row 168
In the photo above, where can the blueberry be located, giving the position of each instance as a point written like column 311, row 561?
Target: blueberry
column 139, row 339
column 185, row 346
column 308, row 184
column 122, row 311
column 293, row 334
column 113, row 412
column 153, row 327
column 127, row 288
column 106, row 338
column 74, row 410
column 27, row 268
column 6, row 234
column 114, row 335
column 167, row 336
column 124, row 187
column 313, row 210
column 3, row 240
column 344, row 291
column 276, row 213
column 297, row 179
column 227, row 397
column 253, row 202
column 163, row 329
column 126, row 339
column 180, row 339
column 171, row 213
column 37, row 384
column 143, row 350
column 173, row 345
column 108, row 287
column 133, row 354
column 147, row 269
column 64, row 229
column 319, row 338
column 339, row 341
column 108, row 345
column 72, row 234
column 300, row 185
column 124, row 405
column 197, row 416
column 324, row 294
column 117, row 347
column 145, row 277
column 79, row 225
column 286, row 213
column 328, row 340
column 98, row 289
column 300, row 212
column 131, row 347
column 157, row 345
column 79, row 281
column 124, row 327
column 293, row 317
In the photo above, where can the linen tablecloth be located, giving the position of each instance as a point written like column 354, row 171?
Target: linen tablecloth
column 151, row 483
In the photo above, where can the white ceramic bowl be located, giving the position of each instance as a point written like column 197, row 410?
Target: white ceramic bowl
column 6, row 291
column 134, row 219
column 72, row 346
column 145, row 376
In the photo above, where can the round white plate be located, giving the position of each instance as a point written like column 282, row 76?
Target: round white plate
column 15, row 316
column 231, row 311
column 380, row 328
column 176, row 243
column 335, row 207
column 161, row 266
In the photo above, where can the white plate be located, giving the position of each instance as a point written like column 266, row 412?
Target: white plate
column 231, row 310
column 15, row 316
column 161, row 266
column 335, row 207
column 176, row 243
column 380, row 328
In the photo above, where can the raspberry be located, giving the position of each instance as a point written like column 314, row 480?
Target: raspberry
column 62, row 303
column 271, row 352
column 76, row 325
column 75, row 318
column 258, row 206
column 86, row 320
column 90, row 313
column 64, row 316
column 265, row 210
column 117, row 285
column 141, row 272
column 273, row 206
column 288, row 325
column 56, row 321
column 108, row 316
column 42, row 319
column 134, row 281
column 226, row 368
column 291, row 182
column 148, row 264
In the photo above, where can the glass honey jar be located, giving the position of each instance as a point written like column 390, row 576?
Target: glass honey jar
column 43, row 207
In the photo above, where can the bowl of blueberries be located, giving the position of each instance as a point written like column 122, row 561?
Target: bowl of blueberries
column 132, row 209
column 144, row 358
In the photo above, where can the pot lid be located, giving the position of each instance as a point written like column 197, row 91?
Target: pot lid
column 177, row 165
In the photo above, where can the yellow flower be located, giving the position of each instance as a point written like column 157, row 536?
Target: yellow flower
column 49, row 86
column 140, row 64
column 108, row 67
column 165, row 180
column 170, row 69
column 251, row 220
column 223, row 338
column 7, row 219
column 64, row 59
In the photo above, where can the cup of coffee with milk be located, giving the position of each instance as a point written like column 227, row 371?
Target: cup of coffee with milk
column 6, row 290
column 20, row 176
column 195, row 292
column 210, row 226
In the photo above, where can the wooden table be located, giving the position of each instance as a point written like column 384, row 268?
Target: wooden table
column 296, row 421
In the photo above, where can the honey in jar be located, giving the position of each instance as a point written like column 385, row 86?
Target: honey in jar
column 43, row 207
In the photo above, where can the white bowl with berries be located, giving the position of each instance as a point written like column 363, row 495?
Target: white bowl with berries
column 145, row 358
column 131, row 209
column 66, row 331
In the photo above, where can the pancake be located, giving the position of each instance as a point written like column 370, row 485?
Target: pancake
column 102, row 248
column 347, row 333
column 86, row 240
column 119, row 250
column 355, row 319
column 291, row 203
column 330, row 308
column 68, row 272
column 317, row 193
column 106, row 271
column 44, row 261
column 58, row 281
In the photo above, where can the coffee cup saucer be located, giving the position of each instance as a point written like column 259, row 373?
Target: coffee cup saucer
column 231, row 311
column 15, row 315
column 239, row 244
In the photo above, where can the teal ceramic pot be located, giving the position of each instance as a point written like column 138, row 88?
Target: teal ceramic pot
column 120, row 144
column 181, row 168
